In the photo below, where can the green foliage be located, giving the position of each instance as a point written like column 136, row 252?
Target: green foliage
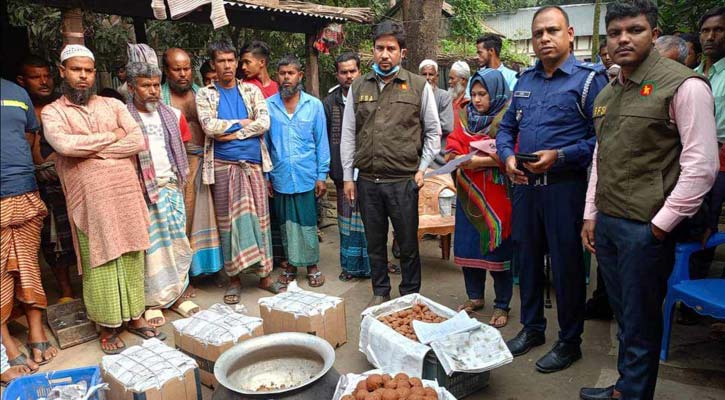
column 464, row 50
column 683, row 15
column 43, row 25
column 509, row 55
column 467, row 21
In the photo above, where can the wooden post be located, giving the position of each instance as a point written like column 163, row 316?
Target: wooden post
column 312, row 72
column 72, row 30
column 139, row 30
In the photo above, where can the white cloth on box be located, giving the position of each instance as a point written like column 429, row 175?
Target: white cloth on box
column 301, row 303
column 4, row 364
column 347, row 383
column 428, row 332
column 217, row 325
column 475, row 351
column 148, row 366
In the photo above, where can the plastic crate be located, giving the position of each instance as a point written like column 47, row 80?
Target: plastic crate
column 459, row 384
column 31, row 387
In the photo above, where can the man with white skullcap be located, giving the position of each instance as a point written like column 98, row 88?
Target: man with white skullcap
column 96, row 141
column 429, row 70
column 457, row 82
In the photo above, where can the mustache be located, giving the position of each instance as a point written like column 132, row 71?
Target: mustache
column 623, row 48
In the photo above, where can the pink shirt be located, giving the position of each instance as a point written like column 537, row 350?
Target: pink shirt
column 692, row 110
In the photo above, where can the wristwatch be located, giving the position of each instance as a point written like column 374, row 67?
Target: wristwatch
column 560, row 156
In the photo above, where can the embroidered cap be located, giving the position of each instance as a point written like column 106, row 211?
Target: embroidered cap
column 75, row 50
column 461, row 69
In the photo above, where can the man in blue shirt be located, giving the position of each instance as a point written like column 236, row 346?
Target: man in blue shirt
column 300, row 153
column 488, row 48
column 234, row 117
column 550, row 116
column 22, row 219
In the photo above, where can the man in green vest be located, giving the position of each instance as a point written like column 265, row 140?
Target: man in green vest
column 655, row 159
column 390, row 134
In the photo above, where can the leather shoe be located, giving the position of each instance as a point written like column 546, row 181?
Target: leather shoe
column 560, row 357
column 525, row 341
column 597, row 393
column 378, row 300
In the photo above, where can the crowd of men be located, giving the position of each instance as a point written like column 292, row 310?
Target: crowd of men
column 176, row 181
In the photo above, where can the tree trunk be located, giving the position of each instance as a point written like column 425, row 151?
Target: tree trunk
column 421, row 20
column 595, row 30
column 312, row 72
column 73, row 26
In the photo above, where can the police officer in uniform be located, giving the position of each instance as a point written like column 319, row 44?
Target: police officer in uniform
column 551, row 117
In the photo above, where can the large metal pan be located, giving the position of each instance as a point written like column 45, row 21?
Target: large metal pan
column 273, row 364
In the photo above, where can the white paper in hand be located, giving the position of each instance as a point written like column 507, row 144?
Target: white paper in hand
column 430, row 332
column 450, row 166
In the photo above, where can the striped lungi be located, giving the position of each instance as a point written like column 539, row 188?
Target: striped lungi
column 297, row 214
column 204, row 238
column 21, row 219
column 242, row 207
column 112, row 292
column 56, row 236
column 353, row 245
column 169, row 258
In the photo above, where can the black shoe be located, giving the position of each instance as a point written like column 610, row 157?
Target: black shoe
column 598, row 309
column 525, row 341
column 560, row 357
column 597, row 393
column 378, row 300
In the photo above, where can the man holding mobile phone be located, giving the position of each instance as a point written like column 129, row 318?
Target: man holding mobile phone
column 550, row 117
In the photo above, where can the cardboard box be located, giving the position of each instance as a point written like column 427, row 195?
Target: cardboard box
column 206, row 354
column 186, row 388
column 329, row 325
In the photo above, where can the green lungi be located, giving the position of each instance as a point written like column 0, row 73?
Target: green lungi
column 112, row 292
column 297, row 216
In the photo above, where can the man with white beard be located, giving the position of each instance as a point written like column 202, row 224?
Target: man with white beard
column 457, row 82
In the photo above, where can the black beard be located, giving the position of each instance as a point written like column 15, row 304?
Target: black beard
column 286, row 92
column 176, row 88
column 78, row 97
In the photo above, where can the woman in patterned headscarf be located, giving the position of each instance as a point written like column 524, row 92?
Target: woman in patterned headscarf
column 483, row 208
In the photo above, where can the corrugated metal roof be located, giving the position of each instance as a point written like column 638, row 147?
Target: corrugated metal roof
column 285, row 10
column 517, row 25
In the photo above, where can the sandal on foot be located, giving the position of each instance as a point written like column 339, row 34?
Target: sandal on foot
column 22, row 359
column 345, row 277
column 316, row 279
column 470, row 306
column 231, row 296
column 154, row 314
column 288, row 276
column 143, row 332
column 186, row 309
column 42, row 347
column 275, row 287
column 393, row 269
column 498, row 313
column 112, row 339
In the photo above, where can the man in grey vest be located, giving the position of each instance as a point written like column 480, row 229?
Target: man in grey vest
column 655, row 159
column 391, row 134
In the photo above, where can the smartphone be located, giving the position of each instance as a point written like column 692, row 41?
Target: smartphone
column 526, row 157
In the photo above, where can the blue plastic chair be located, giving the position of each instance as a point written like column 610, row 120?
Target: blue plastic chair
column 705, row 296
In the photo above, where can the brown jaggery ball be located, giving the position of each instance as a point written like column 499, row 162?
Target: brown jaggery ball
column 401, row 376
column 348, row 397
column 416, row 397
column 417, row 391
column 387, row 377
column 362, row 385
column 374, row 396
column 390, row 394
column 404, row 384
column 415, row 382
column 361, row 394
column 403, row 393
column 391, row 384
column 431, row 393
column 374, row 381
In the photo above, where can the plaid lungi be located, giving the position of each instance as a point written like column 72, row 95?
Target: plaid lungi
column 353, row 245
column 297, row 215
column 112, row 292
column 169, row 258
column 21, row 219
column 202, row 224
column 240, row 199
column 57, row 238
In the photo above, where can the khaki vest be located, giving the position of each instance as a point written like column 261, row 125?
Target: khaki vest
column 638, row 146
column 388, row 127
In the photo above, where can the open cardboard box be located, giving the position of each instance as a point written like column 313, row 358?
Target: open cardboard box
column 329, row 325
